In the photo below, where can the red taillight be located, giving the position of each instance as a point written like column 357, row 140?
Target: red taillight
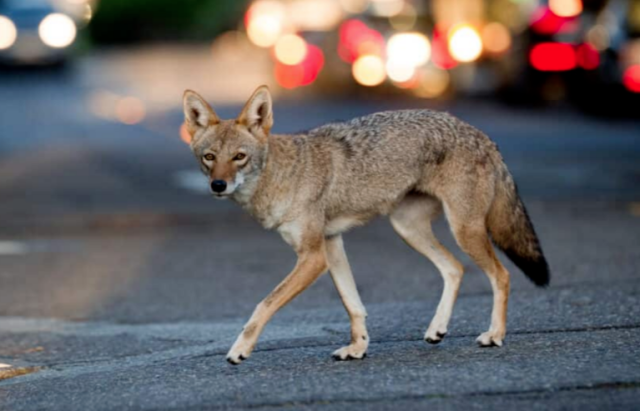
column 357, row 39
column 289, row 76
column 303, row 73
column 588, row 57
column 313, row 64
column 553, row 57
column 440, row 49
column 544, row 21
column 631, row 78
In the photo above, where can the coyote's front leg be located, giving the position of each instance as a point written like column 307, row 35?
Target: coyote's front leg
column 311, row 264
column 343, row 279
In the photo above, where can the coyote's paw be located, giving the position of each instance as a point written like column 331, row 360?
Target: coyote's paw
column 240, row 351
column 354, row 351
column 490, row 339
column 435, row 334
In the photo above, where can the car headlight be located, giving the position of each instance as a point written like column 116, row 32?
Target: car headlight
column 57, row 30
column 8, row 33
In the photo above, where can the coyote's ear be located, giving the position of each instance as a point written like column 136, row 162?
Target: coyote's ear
column 258, row 112
column 197, row 112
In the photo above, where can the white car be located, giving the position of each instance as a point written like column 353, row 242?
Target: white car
column 34, row 32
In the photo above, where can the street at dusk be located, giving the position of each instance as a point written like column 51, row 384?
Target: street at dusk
column 123, row 282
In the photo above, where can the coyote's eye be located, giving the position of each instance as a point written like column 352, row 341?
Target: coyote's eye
column 240, row 157
column 209, row 157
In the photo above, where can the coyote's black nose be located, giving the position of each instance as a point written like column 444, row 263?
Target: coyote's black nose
column 218, row 186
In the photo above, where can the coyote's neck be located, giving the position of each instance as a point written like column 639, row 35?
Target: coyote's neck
column 277, row 184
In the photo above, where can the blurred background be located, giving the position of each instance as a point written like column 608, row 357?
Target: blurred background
column 520, row 51
column 97, row 188
column 121, row 274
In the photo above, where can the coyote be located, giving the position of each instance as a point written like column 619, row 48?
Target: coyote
column 410, row 165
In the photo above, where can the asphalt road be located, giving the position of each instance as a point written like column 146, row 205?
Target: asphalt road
column 122, row 286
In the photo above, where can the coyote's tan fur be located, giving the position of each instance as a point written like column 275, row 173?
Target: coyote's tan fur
column 411, row 165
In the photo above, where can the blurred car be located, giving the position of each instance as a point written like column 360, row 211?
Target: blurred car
column 586, row 53
column 34, row 32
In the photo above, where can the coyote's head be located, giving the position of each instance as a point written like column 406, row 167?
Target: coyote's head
column 231, row 153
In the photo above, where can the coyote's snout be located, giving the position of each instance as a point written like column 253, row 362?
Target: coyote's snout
column 410, row 165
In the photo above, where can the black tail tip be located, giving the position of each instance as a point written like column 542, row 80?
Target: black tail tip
column 536, row 269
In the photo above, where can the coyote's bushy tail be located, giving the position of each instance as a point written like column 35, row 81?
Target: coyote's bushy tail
column 512, row 231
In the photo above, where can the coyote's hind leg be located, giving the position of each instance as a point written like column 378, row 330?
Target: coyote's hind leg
column 470, row 231
column 412, row 221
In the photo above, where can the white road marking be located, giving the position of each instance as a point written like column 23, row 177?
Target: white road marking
column 13, row 248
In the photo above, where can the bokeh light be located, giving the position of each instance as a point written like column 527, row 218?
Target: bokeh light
column 544, row 21
column 369, row 70
column 387, row 8
column 633, row 16
column 399, row 72
column 354, row 6
column 630, row 53
column 57, row 30
column 406, row 19
column 433, row 83
column 587, row 57
column 303, row 73
column 496, row 38
column 315, row 15
column 440, row 55
column 357, row 39
column 408, row 49
column 553, row 57
column 263, row 31
column 631, row 78
column 566, row 8
column 598, row 37
column 8, row 33
column 265, row 21
column 130, row 110
column 102, row 104
column 406, row 52
column 290, row 49
column 465, row 43
column 288, row 76
column 87, row 13
column 313, row 64
column 373, row 45
column 185, row 136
